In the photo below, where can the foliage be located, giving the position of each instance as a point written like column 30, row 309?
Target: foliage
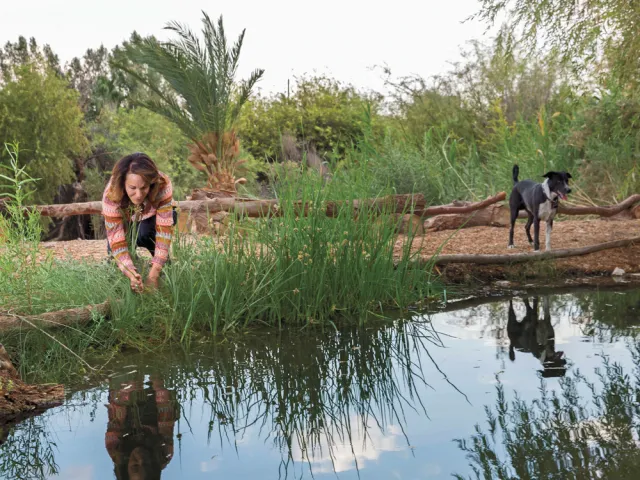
column 123, row 131
column 206, row 100
column 22, row 53
column 19, row 236
column 320, row 111
column 40, row 112
column 585, row 33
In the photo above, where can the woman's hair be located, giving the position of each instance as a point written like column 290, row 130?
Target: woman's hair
column 139, row 164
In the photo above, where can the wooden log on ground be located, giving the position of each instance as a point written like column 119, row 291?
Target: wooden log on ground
column 496, row 215
column 19, row 400
column 481, row 259
column 602, row 211
column 60, row 318
column 454, row 208
column 254, row 208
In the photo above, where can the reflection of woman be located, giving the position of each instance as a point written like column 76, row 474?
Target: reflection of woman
column 139, row 435
column 137, row 185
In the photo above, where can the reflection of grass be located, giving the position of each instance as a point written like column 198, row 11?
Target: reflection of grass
column 561, row 435
column 28, row 452
column 309, row 394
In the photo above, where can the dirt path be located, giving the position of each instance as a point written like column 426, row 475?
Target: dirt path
column 481, row 240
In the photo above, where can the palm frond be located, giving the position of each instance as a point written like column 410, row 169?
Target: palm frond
column 197, row 90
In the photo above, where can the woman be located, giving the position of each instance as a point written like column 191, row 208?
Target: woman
column 138, row 192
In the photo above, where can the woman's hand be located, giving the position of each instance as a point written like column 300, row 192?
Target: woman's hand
column 154, row 275
column 136, row 281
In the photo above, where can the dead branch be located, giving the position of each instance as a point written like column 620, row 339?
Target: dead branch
column 602, row 211
column 470, row 207
column 480, row 259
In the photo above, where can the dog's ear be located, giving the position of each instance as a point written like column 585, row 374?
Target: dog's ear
column 549, row 174
column 569, row 175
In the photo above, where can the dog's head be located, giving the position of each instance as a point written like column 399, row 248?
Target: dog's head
column 558, row 183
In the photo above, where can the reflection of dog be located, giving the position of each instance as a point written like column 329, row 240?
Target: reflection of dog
column 540, row 200
column 535, row 336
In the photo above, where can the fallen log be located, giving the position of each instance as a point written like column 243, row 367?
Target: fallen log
column 19, row 400
column 496, row 215
column 465, row 207
column 259, row 208
column 253, row 208
column 602, row 211
column 481, row 259
column 60, row 318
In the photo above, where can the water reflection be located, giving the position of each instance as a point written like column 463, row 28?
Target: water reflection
column 535, row 335
column 139, row 436
column 563, row 434
column 332, row 402
column 359, row 401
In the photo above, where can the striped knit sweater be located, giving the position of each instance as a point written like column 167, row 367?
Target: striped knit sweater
column 114, row 222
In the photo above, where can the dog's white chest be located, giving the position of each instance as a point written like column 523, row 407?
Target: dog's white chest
column 546, row 211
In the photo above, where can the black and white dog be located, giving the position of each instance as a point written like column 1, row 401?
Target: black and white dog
column 540, row 200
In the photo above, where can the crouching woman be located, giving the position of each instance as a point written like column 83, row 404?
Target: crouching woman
column 139, row 195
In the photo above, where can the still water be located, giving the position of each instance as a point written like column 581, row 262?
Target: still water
column 537, row 387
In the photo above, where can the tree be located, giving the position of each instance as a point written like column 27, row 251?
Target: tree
column 583, row 31
column 205, row 100
column 40, row 112
column 25, row 52
column 320, row 112
column 120, row 131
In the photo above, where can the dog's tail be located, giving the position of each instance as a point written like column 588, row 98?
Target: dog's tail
column 516, row 170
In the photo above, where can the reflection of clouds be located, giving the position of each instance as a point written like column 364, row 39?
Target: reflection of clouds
column 365, row 446
column 209, row 466
column 76, row 472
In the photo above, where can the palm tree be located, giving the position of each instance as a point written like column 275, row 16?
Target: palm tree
column 199, row 94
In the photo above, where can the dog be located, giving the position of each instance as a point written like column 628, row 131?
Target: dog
column 540, row 200
column 536, row 336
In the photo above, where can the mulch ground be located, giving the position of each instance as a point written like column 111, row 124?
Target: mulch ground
column 481, row 240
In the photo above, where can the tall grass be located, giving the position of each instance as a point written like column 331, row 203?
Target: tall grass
column 595, row 139
column 281, row 271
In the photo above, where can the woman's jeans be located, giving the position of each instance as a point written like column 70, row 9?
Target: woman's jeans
column 147, row 233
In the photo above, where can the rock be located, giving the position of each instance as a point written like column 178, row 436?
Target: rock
column 618, row 272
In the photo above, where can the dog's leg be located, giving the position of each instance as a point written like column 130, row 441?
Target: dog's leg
column 536, row 232
column 548, row 234
column 528, row 229
column 514, row 217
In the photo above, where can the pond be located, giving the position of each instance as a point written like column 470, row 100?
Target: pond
column 539, row 387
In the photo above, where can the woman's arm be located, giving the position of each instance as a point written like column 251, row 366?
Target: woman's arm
column 164, row 231
column 114, row 224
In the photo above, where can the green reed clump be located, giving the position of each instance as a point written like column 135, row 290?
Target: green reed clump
column 292, row 269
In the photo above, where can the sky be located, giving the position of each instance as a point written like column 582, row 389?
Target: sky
column 344, row 39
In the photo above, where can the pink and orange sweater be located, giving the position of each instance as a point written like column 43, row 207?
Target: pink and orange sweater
column 114, row 216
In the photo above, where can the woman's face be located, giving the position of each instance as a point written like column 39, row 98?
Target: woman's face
column 137, row 189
